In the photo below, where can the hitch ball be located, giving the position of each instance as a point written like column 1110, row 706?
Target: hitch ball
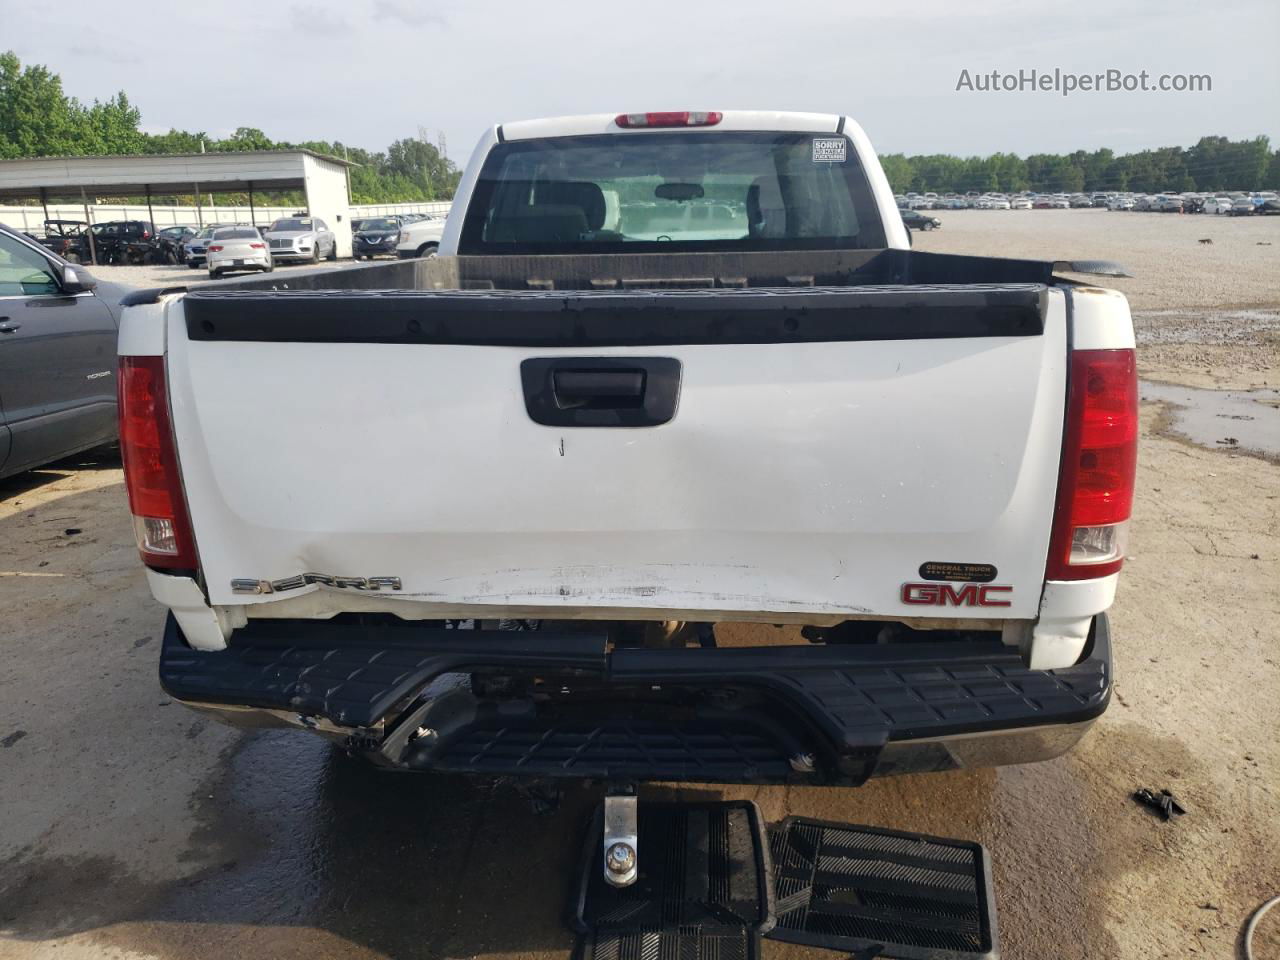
column 620, row 859
column 621, row 840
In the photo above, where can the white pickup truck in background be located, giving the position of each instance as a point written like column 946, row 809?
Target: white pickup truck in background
column 420, row 238
column 484, row 512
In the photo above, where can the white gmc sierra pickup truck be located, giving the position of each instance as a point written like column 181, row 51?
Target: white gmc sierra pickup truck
column 489, row 512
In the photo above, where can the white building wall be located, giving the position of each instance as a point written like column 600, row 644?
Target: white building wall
column 327, row 199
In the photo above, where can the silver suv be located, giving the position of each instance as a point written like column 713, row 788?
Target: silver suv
column 301, row 238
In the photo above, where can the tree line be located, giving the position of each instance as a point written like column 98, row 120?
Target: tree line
column 38, row 119
column 1214, row 163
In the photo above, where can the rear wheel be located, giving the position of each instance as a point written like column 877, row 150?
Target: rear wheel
column 271, row 265
column 333, row 251
column 315, row 253
column 428, row 250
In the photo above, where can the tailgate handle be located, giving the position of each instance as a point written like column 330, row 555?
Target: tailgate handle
column 598, row 388
column 600, row 391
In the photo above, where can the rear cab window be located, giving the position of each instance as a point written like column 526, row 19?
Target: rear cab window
column 671, row 192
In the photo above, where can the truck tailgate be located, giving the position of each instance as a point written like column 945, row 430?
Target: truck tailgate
column 824, row 446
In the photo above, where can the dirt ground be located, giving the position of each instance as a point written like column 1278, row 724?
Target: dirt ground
column 133, row 828
column 1206, row 314
column 166, row 275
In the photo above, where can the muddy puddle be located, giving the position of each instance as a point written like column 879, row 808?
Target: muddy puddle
column 1243, row 420
column 1240, row 327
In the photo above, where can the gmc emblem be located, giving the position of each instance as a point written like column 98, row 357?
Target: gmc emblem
column 954, row 595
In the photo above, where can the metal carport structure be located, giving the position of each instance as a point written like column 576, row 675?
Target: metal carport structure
column 323, row 179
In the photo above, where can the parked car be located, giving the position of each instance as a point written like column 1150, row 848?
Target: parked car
column 1243, row 207
column 107, row 247
column 420, row 238
column 915, row 220
column 1079, row 201
column 171, row 243
column 1217, row 205
column 237, row 248
column 1120, row 203
column 421, row 457
column 1020, row 203
column 57, row 369
column 377, row 236
column 999, row 203
column 1269, row 207
column 67, row 239
column 194, row 248
column 1167, row 204
column 302, row 238
column 123, row 241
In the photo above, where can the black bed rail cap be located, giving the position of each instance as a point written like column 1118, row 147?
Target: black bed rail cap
column 594, row 318
column 149, row 295
column 1098, row 268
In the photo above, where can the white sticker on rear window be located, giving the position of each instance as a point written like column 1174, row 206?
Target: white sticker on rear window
column 829, row 149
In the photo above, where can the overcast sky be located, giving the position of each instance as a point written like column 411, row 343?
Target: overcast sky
column 367, row 72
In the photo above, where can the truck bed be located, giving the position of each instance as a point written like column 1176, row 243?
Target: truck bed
column 770, row 269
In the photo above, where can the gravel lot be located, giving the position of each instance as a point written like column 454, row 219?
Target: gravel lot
column 136, row 829
column 182, row 275
column 1206, row 314
column 1171, row 269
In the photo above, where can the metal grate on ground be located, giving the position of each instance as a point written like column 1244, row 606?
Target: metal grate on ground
column 851, row 888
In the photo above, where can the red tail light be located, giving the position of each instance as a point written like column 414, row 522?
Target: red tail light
column 151, row 466
column 258, row 246
column 1099, row 462
column 707, row 118
column 146, row 234
column 215, row 248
